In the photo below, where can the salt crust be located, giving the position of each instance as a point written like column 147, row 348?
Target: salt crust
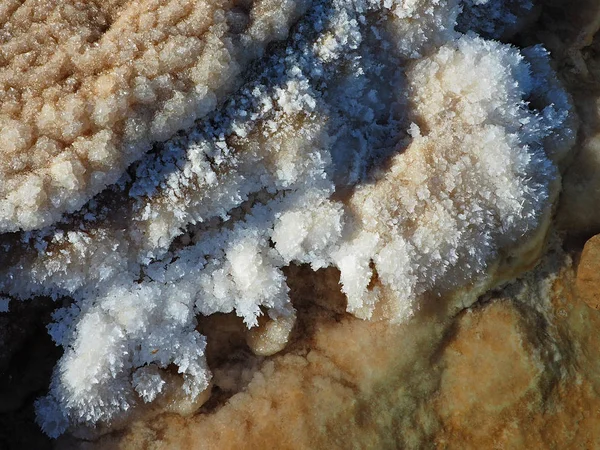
column 410, row 169
column 87, row 87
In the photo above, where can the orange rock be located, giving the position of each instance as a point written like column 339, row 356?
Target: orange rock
column 492, row 375
column 522, row 372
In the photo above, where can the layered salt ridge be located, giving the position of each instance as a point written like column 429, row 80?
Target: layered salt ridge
column 410, row 170
column 85, row 89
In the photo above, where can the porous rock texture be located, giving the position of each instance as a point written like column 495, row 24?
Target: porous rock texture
column 310, row 265
column 588, row 275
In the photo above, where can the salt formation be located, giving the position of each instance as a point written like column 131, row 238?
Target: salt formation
column 86, row 89
column 377, row 140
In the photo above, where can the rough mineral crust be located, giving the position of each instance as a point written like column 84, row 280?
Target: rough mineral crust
column 87, row 87
column 414, row 161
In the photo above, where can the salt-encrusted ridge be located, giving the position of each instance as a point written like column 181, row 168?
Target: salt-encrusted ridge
column 409, row 170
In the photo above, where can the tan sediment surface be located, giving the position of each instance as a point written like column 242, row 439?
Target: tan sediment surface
column 518, row 378
column 588, row 273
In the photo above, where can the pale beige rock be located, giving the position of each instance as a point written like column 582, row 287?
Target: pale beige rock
column 271, row 335
column 523, row 372
column 490, row 366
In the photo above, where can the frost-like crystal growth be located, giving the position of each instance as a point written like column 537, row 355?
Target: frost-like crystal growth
column 86, row 89
column 377, row 139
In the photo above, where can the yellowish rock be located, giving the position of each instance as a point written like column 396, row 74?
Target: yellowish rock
column 588, row 273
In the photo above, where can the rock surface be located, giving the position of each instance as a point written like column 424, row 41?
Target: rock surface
column 588, row 273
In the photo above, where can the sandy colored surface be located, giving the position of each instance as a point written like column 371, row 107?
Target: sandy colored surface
column 588, row 273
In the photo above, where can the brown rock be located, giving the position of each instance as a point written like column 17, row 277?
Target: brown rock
column 588, row 273
column 491, row 370
column 521, row 372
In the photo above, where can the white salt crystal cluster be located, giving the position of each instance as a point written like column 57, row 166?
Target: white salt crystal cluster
column 378, row 140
